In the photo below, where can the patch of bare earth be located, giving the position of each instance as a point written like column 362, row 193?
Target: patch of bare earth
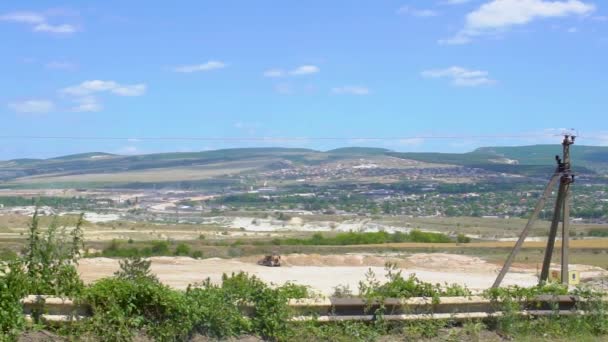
column 322, row 272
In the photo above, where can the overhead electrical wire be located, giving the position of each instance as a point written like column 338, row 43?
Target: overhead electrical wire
column 278, row 138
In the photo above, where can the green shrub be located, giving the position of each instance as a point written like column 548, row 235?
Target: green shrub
column 135, row 268
column 122, row 307
column 13, row 287
column 461, row 238
column 182, row 250
column 354, row 238
column 50, row 259
column 159, row 248
column 47, row 267
column 397, row 286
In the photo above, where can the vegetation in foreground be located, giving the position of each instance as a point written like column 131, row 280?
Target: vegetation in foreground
column 134, row 303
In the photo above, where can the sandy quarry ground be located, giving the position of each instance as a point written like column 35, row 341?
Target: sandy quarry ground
column 324, row 273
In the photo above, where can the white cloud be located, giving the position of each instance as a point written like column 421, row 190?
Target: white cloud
column 96, row 86
column 497, row 15
column 83, row 93
column 32, row 106
column 352, row 90
column 24, row 17
column 63, row 28
column 572, row 30
column 130, row 90
column 305, row 70
column 298, row 71
column 423, row 13
column 38, row 22
column 460, row 76
column 274, row 73
column 208, row 66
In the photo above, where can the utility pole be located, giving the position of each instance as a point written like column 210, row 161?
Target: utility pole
column 563, row 174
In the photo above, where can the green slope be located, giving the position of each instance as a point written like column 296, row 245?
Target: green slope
column 532, row 160
column 537, row 160
column 586, row 156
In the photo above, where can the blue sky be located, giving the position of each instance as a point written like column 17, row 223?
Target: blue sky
column 408, row 71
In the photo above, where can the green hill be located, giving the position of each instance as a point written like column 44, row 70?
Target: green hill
column 227, row 166
column 534, row 160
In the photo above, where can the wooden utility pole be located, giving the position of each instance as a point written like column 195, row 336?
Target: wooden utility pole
column 564, row 175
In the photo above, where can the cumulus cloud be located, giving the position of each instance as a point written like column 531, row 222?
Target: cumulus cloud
column 305, row 70
column 297, row 71
column 39, row 22
column 32, row 106
column 208, row 66
column 497, row 15
column 84, row 93
column 64, row 28
column 96, row 86
column 351, row 90
column 423, row 13
column 460, row 76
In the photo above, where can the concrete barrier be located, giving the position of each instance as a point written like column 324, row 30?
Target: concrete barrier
column 53, row 310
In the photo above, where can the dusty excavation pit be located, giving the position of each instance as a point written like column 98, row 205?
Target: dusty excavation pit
column 324, row 272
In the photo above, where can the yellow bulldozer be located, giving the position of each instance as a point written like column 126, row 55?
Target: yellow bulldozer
column 273, row 260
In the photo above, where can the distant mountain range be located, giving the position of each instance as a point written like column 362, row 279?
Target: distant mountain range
column 98, row 168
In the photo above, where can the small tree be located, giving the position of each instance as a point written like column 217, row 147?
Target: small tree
column 135, row 268
column 51, row 258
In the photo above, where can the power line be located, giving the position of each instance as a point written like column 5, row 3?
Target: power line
column 368, row 138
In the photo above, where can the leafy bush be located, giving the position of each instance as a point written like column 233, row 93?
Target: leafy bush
column 510, row 300
column 13, row 287
column 354, row 238
column 342, row 291
column 182, row 249
column 216, row 312
column 397, row 286
column 47, row 267
column 159, row 248
column 122, row 307
column 131, row 302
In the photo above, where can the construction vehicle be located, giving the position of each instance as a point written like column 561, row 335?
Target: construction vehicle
column 273, row 260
